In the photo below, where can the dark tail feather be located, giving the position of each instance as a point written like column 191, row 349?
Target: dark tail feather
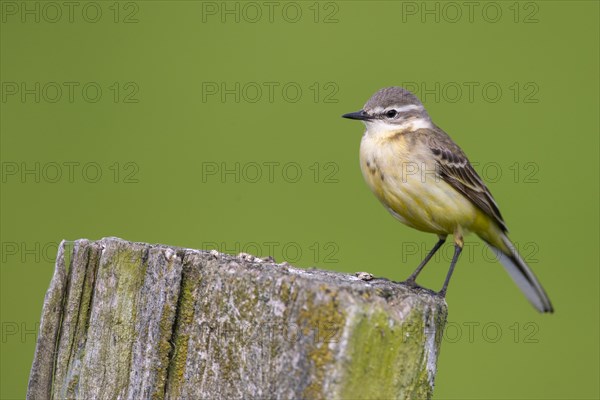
column 523, row 276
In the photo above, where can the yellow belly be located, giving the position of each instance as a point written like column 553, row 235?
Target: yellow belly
column 406, row 183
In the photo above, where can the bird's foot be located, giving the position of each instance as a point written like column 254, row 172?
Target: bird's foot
column 411, row 283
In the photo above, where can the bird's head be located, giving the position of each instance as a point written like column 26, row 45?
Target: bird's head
column 392, row 109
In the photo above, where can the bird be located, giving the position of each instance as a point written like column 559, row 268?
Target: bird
column 425, row 180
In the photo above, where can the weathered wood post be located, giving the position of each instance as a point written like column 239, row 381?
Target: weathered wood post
column 138, row 321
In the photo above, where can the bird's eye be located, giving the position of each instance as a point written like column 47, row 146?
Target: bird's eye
column 391, row 113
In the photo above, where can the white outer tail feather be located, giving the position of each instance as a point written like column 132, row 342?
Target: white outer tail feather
column 523, row 276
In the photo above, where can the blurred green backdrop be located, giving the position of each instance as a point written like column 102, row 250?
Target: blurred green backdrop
column 217, row 125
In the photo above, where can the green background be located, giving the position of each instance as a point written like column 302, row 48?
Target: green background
column 163, row 131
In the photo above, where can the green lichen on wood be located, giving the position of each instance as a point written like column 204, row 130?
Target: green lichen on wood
column 184, row 316
column 87, row 293
column 130, row 271
column 112, row 320
column 72, row 388
column 166, row 331
column 383, row 354
column 244, row 297
column 284, row 291
column 320, row 319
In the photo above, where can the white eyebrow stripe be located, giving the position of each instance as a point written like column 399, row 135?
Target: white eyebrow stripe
column 409, row 107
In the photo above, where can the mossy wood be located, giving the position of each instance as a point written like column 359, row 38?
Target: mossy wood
column 137, row 321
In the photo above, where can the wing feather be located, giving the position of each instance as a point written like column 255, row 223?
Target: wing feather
column 456, row 170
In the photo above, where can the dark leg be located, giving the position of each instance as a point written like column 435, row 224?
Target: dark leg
column 412, row 278
column 457, row 250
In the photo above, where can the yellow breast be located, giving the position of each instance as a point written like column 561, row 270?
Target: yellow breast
column 402, row 174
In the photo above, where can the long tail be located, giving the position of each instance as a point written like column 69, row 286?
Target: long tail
column 522, row 275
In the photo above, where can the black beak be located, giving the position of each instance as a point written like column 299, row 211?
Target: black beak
column 360, row 115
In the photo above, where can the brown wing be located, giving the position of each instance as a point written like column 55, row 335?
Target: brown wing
column 455, row 169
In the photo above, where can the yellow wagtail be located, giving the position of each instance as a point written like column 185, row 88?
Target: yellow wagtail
column 426, row 181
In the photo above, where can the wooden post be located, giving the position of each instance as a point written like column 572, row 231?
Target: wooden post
column 138, row 321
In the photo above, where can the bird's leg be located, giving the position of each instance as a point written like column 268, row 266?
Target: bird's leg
column 457, row 250
column 413, row 277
